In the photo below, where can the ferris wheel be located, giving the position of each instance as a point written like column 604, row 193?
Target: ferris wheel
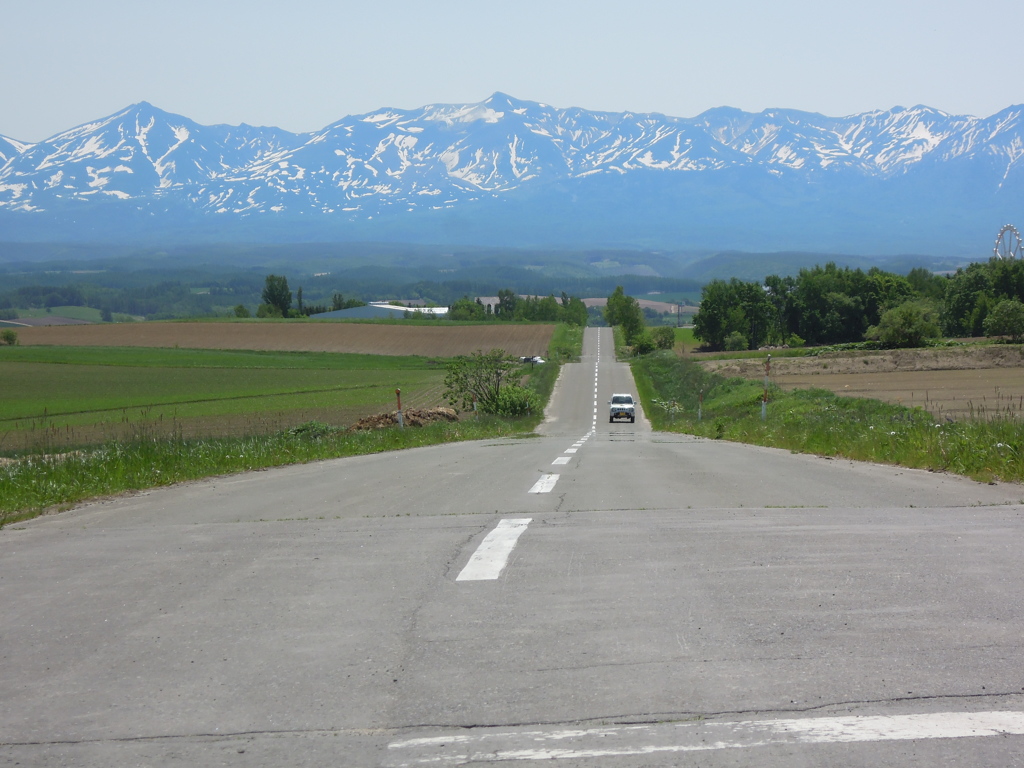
column 1008, row 244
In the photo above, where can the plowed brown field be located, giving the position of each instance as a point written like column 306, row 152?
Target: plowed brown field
column 969, row 382
column 362, row 338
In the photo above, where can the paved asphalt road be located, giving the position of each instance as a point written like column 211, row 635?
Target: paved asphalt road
column 600, row 593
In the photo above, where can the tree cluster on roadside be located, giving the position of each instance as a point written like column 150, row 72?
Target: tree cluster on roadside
column 486, row 380
column 834, row 305
column 512, row 307
column 625, row 312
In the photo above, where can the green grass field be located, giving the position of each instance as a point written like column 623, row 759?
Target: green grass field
column 685, row 340
column 68, row 396
column 128, row 409
column 76, row 313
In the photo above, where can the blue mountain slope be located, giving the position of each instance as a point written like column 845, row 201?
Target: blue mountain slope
column 513, row 172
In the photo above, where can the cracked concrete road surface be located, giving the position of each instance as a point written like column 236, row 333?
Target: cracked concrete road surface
column 650, row 600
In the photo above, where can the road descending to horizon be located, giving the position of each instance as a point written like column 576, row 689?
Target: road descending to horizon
column 600, row 593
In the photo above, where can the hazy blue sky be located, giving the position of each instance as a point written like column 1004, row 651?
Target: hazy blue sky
column 302, row 64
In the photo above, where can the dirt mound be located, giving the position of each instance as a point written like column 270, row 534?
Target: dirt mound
column 413, row 417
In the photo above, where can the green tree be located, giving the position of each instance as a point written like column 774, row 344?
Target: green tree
column 466, row 309
column 548, row 309
column 478, row 377
column 242, row 311
column 736, row 342
column 910, row 324
column 507, row 300
column 758, row 312
column 927, row 284
column 574, row 311
column 830, row 304
column 714, row 319
column 514, row 401
column 968, row 294
column 734, row 309
column 545, row 309
column 1007, row 276
column 664, row 337
column 643, row 343
column 624, row 311
column 277, row 295
column 338, row 301
column 613, row 307
column 778, row 292
column 884, row 290
column 9, row 337
column 1006, row 319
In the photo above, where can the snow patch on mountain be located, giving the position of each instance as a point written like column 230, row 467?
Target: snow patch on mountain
column 444, row 156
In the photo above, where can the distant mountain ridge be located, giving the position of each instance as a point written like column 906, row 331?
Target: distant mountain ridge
column 520, row 173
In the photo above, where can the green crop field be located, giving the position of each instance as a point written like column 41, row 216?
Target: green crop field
column 70, row 396
column 685, row 339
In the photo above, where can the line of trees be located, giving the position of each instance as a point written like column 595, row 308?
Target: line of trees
column 277, row 301
column 832, row 305
column 157, row 301
column 512, row 307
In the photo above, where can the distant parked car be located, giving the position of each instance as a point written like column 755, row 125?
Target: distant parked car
column 622, row 407
column 532, row 359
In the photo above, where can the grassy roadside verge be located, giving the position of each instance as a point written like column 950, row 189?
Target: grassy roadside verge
column 566, row 346
column 30, row 486
column 820, row 422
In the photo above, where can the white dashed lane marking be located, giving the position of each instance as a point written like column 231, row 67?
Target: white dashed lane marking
column 666, row 738
column 562, row 460
column 545, row 484
column 491, row 556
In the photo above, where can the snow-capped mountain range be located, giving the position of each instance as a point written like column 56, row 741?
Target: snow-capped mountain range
column 522, row 173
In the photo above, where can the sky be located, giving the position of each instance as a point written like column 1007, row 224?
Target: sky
column 304, row 64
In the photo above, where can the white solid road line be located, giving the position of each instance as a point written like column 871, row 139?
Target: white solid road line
column 588, row 743
column 491, row 556
column 545, row 484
